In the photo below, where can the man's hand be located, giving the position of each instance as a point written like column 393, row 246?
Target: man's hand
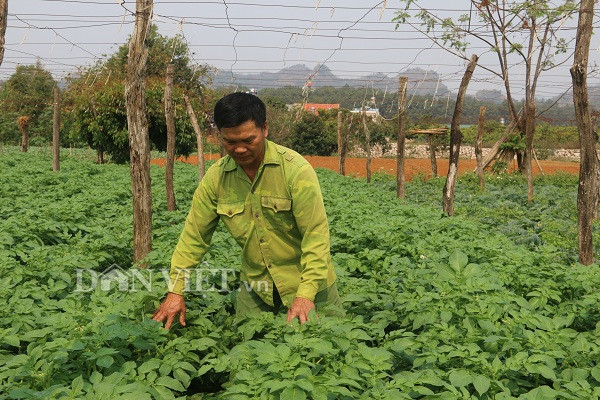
column 173, row 305
column 300, row 308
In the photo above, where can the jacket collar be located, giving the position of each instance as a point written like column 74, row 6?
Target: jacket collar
column 271, row 157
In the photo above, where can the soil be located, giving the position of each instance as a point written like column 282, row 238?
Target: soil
column 413, row 166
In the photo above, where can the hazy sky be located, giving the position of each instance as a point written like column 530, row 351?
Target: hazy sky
column 271, row 35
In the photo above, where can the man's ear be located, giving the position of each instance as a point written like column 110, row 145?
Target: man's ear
column 266, row 129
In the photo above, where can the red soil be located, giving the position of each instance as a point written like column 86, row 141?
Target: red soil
column 413, row 166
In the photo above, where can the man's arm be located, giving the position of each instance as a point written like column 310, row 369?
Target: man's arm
column 193, row 243
column 309, row 212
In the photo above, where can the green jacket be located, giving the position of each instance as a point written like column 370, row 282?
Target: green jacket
column 278, row 220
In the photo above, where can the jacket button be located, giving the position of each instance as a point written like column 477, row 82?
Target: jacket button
column 261, row 240
column 269, row 266
column 229, row 212
column 256, row 215
column 252, row 190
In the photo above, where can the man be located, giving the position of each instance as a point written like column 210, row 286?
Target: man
column 269, row 199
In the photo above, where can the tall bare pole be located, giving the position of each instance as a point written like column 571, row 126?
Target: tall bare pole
column 432, row 157
column 56, row 132
column 587, row 191
column 170, row 117
column 3, row 19
column 479, row 148
column 368, row 142
column 456, row 138
column 139, row 140
column 199, row 137
column 402, row 84
column 344, row 150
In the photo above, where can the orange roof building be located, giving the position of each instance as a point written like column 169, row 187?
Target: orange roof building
column 314, row 108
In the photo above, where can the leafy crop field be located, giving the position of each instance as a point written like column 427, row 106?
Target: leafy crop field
column 489, row 304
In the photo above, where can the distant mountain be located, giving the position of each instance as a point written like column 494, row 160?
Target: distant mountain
column 567, row 98
column 493, row 95
column 420, row 81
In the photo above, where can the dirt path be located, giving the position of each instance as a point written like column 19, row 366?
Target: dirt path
column 413, row 166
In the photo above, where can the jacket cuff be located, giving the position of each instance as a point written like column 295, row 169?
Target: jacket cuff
column 177, row 282
column 307, row 291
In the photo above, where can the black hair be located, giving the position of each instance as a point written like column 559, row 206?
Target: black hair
column 238, row 108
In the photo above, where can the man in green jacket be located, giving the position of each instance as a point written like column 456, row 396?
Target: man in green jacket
column 269, row 199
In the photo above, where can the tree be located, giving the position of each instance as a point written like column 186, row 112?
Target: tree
column 587, row 193
column 505, row 23
column 137, row 123
column 28, row 92
column 310, row 136
column 96, row 107
column 3, row 19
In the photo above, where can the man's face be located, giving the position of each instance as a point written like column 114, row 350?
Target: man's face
column 245, row 143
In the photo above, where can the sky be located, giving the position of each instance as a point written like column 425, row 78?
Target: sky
column 247, row 36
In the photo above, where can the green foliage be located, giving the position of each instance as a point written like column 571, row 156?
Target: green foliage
column 311, row 135
column 28, row 92
column 546, row 136
column 489, row 304
column 95, row 102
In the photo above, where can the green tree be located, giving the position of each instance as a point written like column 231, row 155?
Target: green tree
column 28, row 92
column 311, row 136
column 526, row 33
column 95, row 104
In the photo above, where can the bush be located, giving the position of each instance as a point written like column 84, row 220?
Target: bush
column 311, row 136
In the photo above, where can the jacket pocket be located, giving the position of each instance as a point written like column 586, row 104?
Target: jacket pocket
column 278, row 213
column 232, row 215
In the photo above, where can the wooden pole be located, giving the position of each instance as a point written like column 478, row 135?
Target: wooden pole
column 139, row 140
column 339, row 139
column 367, row 143
column 586, row 192
column 537, row 162
column 56, row 132
column 345, row 136
column 456, row 138
column 199, row 138
column 402, row 84
column 3, row 20
column 170, row 117
column 23, row 123
column 479, row 148
column 432, row 156
column 100, row 149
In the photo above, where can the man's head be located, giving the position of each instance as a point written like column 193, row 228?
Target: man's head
column 236, row 108
column 242, row 122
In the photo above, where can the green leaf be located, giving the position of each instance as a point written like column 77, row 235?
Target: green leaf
column 77, row 385
column 546, row 372
column 481, row 383
column 460, row 378
column 149, row 365
column 11, row 340
column 171, row 383
column 105, row 361
column 203, row 369
column 596, row 373
column 293, row 393
column 458, row 260
column 96, row 377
